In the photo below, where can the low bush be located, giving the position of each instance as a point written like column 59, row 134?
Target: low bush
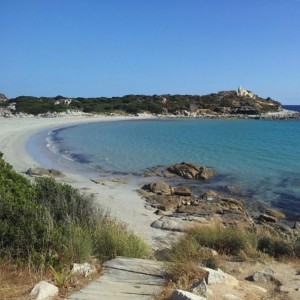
column 47, row 223
column 24, row 223
column 113, row 238
column 275, row 213
column 230, row 241
column 276, row 247
column 237, row 242
column 66, row 204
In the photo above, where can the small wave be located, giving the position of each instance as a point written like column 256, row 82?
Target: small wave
column 51, row 140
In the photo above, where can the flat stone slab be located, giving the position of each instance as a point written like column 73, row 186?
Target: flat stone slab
column 124, row 278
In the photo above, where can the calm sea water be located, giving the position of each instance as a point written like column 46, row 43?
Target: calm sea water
column 292, row 107
column 260, row 157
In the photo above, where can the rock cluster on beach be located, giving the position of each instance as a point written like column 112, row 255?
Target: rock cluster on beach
column 177, row 205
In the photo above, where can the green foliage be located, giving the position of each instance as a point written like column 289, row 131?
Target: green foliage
column 276, row 247
column 69, row 243
column 62, row 278
column 225, row 240
column 23, row 221
column 230, row 241
column 134, row 104
column 52, row 224
column 64, row 203
column 113, row 238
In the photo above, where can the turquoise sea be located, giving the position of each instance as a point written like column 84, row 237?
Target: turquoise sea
column 259, row 157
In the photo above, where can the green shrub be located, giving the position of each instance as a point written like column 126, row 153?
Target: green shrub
column 113, row 239
column 69, row 243
column 275, row 246
column 229, row 241
column 49, row 223
column 24, row 223
column 66, row 204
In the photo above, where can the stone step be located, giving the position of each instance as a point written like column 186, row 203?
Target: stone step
column 124, row 278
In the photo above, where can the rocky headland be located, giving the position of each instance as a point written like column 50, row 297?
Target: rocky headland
column 240, row 103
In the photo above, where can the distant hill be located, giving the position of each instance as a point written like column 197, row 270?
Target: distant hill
column 240, row 101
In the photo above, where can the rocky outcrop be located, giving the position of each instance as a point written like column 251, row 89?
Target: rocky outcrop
column 267, row 218
column 160, row 188
column 191, row 171
column 264, row 276
column 170, row 224
column 218, row 276
column 229, row 211
column 38, row 172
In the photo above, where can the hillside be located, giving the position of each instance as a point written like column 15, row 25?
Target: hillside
column 229, row 102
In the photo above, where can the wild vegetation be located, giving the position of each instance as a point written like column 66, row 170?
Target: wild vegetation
column 46, row 226
column 187, row 256
column 157, row 104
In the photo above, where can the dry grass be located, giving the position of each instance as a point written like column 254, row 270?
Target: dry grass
column 275, row 213
column 16, row 282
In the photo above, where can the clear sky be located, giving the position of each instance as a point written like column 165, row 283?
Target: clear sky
column 116, row 47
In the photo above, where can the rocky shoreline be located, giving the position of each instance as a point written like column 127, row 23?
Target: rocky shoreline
column 179, row 207
column 202, row 114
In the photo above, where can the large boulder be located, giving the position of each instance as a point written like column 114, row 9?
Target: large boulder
column 160, row 187
column 39, row 171
column 170, row 224
column 264, row 276
column 190, row 171
column 267, row 218
column 43, row 291
column 218, row 276
column 183, row 190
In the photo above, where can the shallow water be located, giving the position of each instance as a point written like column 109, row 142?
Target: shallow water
column 260, row 157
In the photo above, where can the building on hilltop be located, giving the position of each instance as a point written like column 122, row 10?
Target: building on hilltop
column 244, row 93
column 3, row 98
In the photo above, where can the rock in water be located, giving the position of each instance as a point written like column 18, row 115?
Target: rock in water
column 190, row 171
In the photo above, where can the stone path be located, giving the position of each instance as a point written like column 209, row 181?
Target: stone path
column 124, row 278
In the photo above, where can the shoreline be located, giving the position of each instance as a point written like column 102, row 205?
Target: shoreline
column 121, row 200
column 118, row 197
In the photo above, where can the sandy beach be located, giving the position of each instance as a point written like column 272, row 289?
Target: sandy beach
column 121, row 200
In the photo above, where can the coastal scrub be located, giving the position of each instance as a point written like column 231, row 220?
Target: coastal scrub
column 47, row 223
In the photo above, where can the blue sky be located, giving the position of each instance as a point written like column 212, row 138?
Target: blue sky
column 117, row 47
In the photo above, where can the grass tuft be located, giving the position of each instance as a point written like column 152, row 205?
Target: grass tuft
column 113, row 239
